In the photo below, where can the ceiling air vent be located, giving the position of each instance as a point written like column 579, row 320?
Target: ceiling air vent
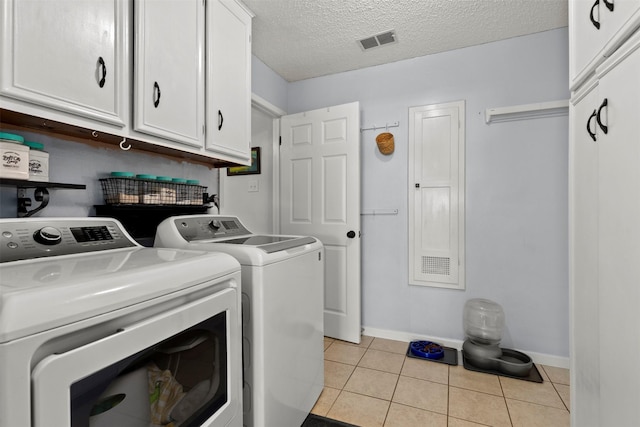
column 378, row 40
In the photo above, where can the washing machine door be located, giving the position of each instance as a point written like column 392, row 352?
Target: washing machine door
column 115, row 381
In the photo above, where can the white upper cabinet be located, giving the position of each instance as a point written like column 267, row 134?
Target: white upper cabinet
column 169, row 69
column 65, row 55
column 229, row 80
column 597, row 28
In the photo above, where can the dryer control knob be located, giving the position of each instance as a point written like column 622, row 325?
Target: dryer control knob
column 48, row 236
column 214, row 224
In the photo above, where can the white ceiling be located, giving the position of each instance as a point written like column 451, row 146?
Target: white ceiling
column 300, row 39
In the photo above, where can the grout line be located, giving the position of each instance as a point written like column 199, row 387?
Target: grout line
column 504, row 397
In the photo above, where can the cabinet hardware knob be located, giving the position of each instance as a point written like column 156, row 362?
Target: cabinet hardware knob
column 591, row 117
column 604, row 127
column 593, row 19
column 103, row 66
column 156, row 94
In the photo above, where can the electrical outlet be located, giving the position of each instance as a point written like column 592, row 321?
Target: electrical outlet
column 253, row 186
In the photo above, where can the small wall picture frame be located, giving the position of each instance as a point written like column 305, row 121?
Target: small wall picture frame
column 254, row 169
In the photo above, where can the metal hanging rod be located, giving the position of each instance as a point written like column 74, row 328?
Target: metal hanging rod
column 386, row 126
column 379, row 212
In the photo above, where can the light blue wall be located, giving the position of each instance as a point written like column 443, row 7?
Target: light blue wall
column 267, row 84
column 516, row 177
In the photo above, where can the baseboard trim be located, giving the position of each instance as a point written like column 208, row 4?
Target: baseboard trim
column 539, row 358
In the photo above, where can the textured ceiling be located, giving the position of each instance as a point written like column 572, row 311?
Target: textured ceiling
column 300, row 39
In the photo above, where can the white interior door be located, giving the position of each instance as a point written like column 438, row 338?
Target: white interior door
column 320, row 197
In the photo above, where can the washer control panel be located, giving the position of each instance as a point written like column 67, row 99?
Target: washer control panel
column 36, row 238
column 209, row 227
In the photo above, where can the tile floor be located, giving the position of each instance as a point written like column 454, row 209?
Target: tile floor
column 376, row 384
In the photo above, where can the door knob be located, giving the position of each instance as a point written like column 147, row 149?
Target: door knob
column 351, row 234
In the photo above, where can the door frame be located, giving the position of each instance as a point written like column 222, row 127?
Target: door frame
column 275, row 113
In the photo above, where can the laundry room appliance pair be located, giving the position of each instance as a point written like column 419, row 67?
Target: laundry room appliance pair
column 96, row 330
column 282, row 312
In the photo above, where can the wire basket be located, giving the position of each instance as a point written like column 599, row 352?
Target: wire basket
column 150, row 192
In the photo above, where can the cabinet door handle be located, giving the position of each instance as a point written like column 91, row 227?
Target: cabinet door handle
column 220, row 119
column 591, row 117
column 593, row 20
column 604, row 104
column 104, row 72
column 156, row 94
column 609, row 5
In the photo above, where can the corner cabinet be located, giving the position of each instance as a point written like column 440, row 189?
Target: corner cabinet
column 67, row 55
column 169, row 82
column 229, row 80
column 598, row 28
column 605, row 240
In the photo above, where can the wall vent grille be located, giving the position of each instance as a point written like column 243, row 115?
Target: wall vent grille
column 435, row 265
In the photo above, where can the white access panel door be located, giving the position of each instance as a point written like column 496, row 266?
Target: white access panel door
column 169, row 70
column 66, row 55
column 436, row 196
column 320, row 197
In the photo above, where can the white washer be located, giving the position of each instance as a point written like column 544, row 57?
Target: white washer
column 84, row 313
column 282, row 303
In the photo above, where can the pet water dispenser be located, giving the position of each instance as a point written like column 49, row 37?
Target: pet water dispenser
column 483, row 322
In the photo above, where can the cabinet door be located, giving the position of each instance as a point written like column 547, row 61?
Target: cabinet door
column 229, row 80
column 583, row 247
column 597, row 28
column 69, row 55
column 169, row 70
column 619, row 237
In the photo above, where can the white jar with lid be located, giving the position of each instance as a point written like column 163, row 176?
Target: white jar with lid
column 38, row 162
column 14, row 156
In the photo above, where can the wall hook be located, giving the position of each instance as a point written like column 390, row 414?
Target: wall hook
column 94, row 134
column 122, row 147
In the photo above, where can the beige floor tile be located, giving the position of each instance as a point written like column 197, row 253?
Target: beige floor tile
column 327, row 342
column 404, row 416
column 565, row 394
column 527, row 391
column 372, row 383
column 391, row 346
column 478, row 407
column 472, row 380
column 343, row 353
column 426, row 370
column 525, row 414
column 455, row 422
column 365, row 341
column 325, row 401
column 557, row 375
column 382, row 361
column 543, row 374
column 421, row 394
column 336, row 374
column 363, row 411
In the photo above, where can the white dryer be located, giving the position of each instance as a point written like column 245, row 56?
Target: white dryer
column 96, row 330
column 282, row 303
